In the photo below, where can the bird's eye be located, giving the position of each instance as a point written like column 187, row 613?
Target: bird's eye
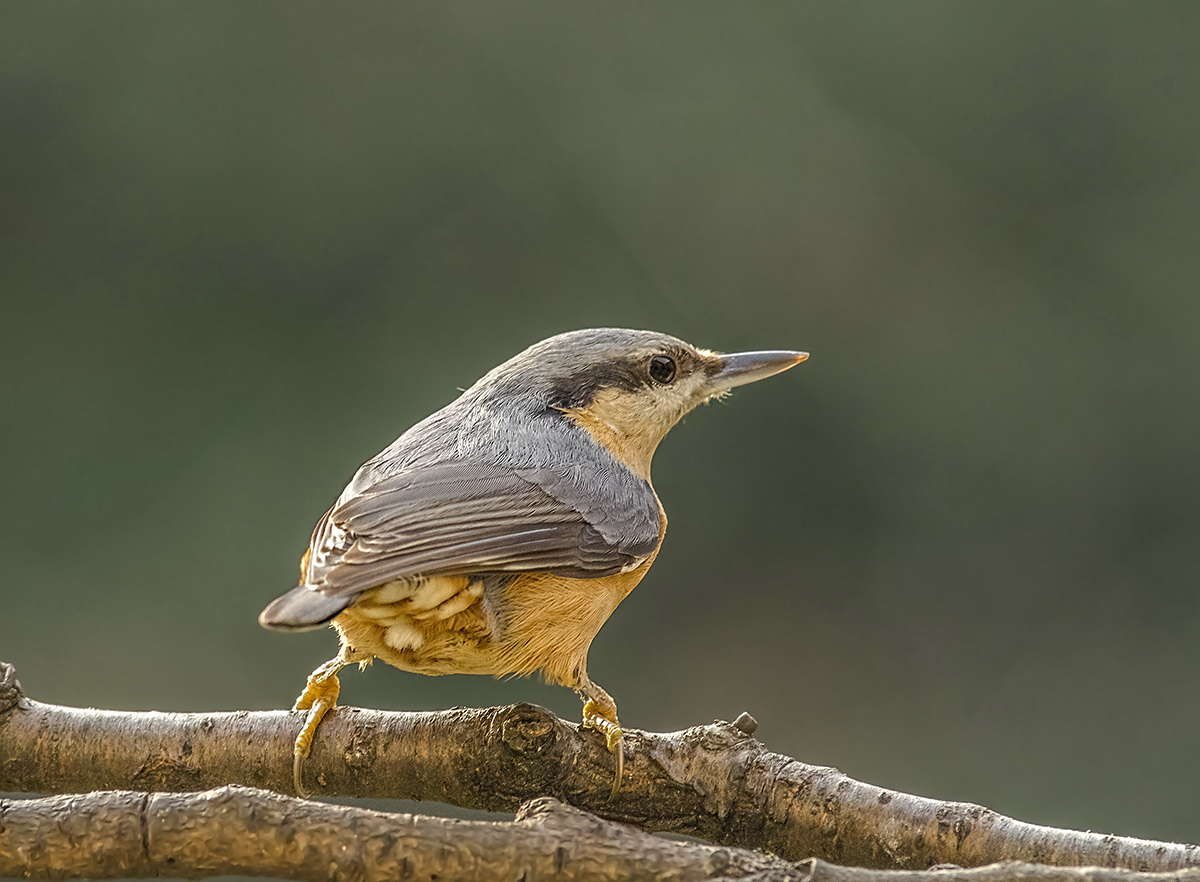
column 662, row 369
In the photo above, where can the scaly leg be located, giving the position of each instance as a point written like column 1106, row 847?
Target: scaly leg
column 318, row 698
column 600, row 713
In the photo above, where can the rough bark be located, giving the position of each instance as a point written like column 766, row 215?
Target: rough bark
column 237, row 830
column 715, row 782
column 114, row 834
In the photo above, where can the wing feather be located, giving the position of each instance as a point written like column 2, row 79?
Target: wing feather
column 465, row 517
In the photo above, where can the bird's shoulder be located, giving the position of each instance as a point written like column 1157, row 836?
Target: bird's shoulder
column 485, row 494
column 484, row 447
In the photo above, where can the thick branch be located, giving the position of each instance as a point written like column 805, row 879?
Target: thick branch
column 237, row 830
column 714, row 781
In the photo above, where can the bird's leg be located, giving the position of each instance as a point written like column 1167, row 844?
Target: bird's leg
column 318, row 698
column 600, row 713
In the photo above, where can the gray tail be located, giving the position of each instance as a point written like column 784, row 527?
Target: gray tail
column 302, row 608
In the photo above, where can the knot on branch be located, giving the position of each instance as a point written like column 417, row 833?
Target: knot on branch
column 527, row 728
column 10, row 688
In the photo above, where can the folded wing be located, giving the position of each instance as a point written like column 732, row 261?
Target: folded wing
column 463, row 517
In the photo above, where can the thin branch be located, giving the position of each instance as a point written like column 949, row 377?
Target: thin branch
column 715, row 782
column 236, row 830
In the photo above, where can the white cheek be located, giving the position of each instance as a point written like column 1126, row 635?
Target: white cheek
column 670, row 403
column 696, row 384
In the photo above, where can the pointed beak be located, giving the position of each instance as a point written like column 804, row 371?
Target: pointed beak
column 740, row 368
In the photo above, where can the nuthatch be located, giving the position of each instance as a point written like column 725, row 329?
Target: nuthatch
column 499, row 534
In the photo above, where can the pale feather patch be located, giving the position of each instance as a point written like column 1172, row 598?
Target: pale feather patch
column 435, row 591
column 403, row 635
column 455, row 604
column 630, row 567
column 375, row 611
column 393, row 592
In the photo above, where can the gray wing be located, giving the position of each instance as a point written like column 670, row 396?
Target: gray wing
column 462, row 517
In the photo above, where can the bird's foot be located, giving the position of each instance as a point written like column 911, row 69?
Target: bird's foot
column 604, row 720
column 318, row 698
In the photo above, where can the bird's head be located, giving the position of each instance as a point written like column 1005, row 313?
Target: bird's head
column 626, row 388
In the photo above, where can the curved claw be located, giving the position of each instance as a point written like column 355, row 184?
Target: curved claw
column 304, row 740
column 619, row 749
column 298, row 774
column 594, row 717
column 318, row 698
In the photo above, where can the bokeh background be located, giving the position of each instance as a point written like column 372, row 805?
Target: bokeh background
column 244, row 245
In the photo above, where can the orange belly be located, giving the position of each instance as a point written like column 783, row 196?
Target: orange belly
column 543, row 623
column 449, row 625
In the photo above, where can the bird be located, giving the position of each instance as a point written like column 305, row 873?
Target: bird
column 497, row 535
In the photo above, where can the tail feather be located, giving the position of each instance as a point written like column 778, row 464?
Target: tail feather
column 300, row 609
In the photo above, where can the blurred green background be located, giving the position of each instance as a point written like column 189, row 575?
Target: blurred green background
column 245, row 245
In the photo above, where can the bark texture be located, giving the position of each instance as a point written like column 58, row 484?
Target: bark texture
column 238, row 830
column 715, row 782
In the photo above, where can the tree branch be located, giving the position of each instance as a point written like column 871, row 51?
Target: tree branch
column 236, row 830
column 715, row 782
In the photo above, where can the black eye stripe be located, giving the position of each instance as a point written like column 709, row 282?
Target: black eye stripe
column 628, row 374
column 662, row 369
